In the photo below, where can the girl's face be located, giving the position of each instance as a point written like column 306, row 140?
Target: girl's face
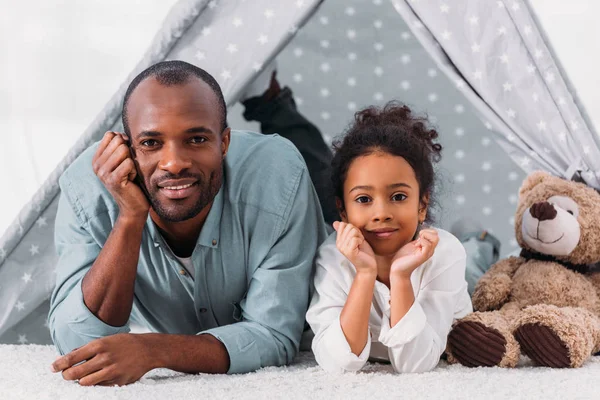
column 381, row 198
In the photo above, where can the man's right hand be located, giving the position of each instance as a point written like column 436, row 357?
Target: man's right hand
column 115, row 168
column 352, row 244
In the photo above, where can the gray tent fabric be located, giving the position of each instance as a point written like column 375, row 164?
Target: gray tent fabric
column 232, row 40
column 352, row 54
column 498, row 57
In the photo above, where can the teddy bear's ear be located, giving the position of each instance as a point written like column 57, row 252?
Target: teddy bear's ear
column 532, row 180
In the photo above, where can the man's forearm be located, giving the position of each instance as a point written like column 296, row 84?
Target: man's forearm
column 108, row 286
column 187, row 353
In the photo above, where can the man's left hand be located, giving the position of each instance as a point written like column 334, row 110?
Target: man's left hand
column 110, row 361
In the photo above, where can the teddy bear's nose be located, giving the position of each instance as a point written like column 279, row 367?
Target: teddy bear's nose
column 543, row 211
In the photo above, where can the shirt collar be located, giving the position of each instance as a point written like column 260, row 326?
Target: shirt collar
column 210, row 235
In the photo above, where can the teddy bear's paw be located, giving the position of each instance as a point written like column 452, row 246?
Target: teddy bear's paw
column 542, row 345
column 557, row 336
column 473, row 344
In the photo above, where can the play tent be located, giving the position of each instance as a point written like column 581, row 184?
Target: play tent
column 493, row 53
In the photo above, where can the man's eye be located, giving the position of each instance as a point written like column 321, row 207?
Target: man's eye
column 198, row 139
column 399, row 197
column 149, row 143
column 362, row 199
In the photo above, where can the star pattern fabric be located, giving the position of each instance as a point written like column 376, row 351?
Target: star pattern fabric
column 355, row 53
column 26, row 281
column 499, row 59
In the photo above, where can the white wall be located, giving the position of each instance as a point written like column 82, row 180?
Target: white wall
column 574, row 31
column 60, row 61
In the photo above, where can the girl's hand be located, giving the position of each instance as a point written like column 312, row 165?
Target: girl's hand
column 414, row 253
column 352, row 244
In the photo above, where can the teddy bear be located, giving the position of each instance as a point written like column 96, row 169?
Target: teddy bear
column 546, row 302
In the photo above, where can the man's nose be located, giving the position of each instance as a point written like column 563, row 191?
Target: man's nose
column 174, row 160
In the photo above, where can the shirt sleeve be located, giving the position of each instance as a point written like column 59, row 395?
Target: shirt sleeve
column 330, row 346
column 278, row 294
column 417, row 341
column 71, row 323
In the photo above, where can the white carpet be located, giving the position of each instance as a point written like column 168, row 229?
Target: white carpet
column 25, row 374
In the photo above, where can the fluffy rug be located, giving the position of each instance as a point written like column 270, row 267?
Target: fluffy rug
column 25, row 374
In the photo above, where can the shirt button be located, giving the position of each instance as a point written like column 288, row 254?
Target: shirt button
column 214, row 242
column 203, row 310
column 182, row 271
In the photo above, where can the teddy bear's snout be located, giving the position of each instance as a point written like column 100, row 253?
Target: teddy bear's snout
column 543, row 211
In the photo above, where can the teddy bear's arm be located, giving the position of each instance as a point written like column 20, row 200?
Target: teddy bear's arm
column 493, row 289
column 595, row 279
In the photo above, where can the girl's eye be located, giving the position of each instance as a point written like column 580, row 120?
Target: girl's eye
column 149, row 143
column 362, row 199
column 399, row 197
column 198, row 139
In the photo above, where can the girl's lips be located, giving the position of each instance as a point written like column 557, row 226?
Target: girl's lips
column 384, row 233
column 178, row 194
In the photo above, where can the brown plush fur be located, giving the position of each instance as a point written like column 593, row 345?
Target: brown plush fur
column 540, row 186
column 516, row 291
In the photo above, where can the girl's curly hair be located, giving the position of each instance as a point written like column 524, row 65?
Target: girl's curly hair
column 392, row 129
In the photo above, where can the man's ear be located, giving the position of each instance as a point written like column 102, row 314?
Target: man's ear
column 225, row 139
column 339, row 204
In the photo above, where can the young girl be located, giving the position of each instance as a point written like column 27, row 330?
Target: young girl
column 385, row 287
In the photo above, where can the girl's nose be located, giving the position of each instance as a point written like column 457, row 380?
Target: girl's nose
column 381, row 214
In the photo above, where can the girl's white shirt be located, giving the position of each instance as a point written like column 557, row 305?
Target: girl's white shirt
column 417, row 341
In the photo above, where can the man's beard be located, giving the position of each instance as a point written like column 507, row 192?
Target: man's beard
column 208, row 191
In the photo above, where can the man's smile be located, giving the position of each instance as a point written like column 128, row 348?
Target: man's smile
column 176, row 190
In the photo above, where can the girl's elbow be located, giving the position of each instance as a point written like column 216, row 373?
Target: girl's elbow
column 340, row 364
column 409, row 365
column 414, row 368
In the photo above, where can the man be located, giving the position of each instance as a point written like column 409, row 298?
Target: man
column 215, row 257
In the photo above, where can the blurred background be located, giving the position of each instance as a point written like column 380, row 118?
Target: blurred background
column 62, row 60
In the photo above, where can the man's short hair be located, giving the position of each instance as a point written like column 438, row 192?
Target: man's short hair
column 169, row 73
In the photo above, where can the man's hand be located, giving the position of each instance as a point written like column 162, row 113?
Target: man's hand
column 113, row 360
column 352, row 244
column 115, row 168
column 414, row 253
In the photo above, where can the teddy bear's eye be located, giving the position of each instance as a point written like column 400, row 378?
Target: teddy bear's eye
column 566, row 203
